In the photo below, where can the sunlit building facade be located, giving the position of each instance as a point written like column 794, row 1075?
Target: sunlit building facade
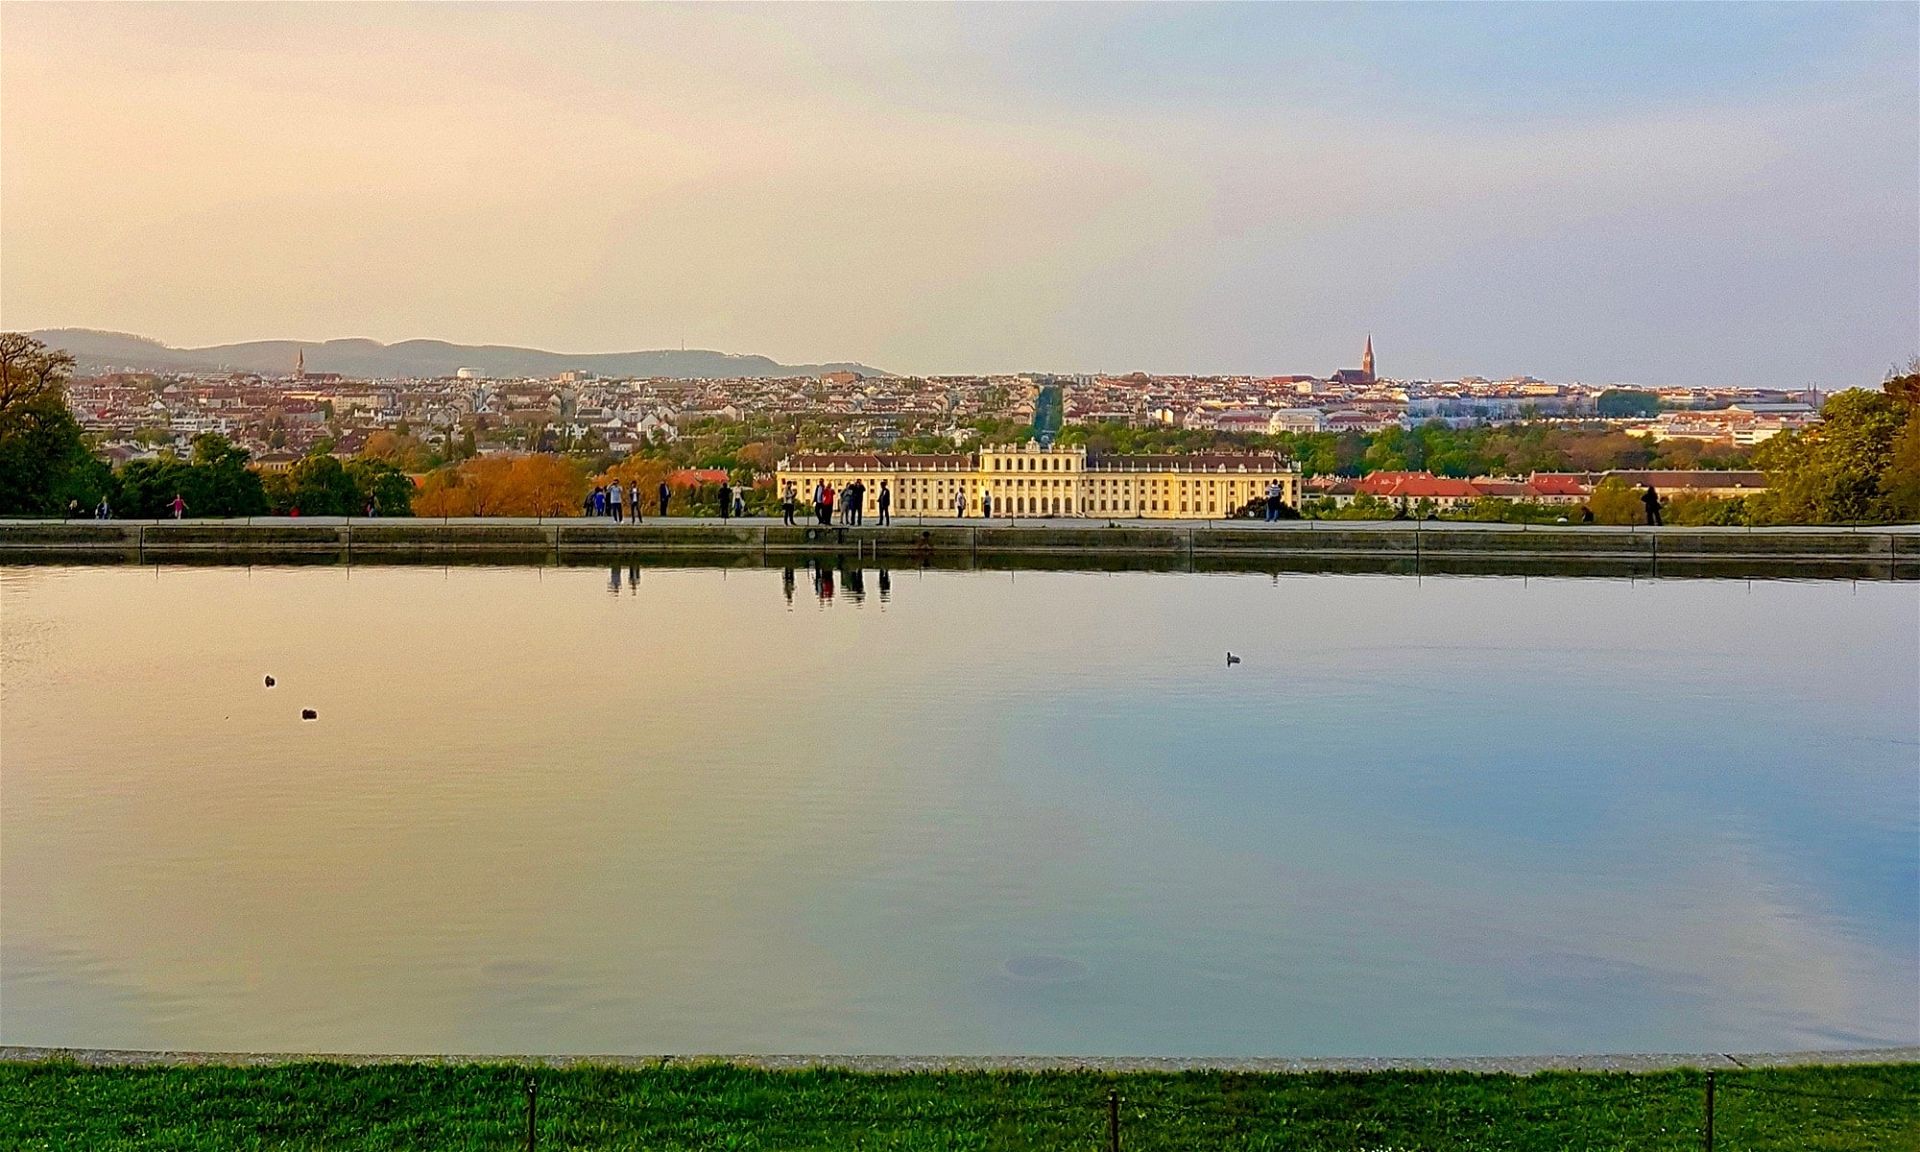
column 1030, row 481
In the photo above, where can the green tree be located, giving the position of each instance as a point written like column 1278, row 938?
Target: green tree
column 380, row 485
column 44, row 459
column 1843, row 469
column 1616, row 403
column 316, row 486
column 1614, row 501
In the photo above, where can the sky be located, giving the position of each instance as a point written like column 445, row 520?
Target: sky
column 1692, row 194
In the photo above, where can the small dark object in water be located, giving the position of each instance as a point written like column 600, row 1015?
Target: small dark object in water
column 269, row 681
column 1232, row 659
column 309, row 714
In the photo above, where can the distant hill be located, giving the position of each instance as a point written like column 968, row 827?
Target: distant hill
column 95, row 350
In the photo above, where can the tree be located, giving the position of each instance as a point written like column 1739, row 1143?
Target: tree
column 316, row 486
column 1614, row 501
column 1900, row 481
column 533, row 485
column 1616, row 403
column 1843, row 469
column 381, row 486
column 44, row 460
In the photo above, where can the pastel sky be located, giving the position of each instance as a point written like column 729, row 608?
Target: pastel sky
column 1689, row 194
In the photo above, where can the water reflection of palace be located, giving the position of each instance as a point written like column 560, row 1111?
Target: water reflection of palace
column 831, row 577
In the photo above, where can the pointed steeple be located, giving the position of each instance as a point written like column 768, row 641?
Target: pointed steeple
column 299, row 363
column 1366, row 358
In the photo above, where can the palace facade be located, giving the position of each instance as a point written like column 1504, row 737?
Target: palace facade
column 1031, row 480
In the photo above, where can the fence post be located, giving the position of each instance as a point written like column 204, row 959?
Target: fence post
column 1113, row 1120
column 533, row 1108
column 1709, row 1132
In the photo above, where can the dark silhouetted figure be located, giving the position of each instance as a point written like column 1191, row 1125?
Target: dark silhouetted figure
column 726, row 499
column 1586, row 514
column 886, row 503
column 666, row 494
column 1652, row 500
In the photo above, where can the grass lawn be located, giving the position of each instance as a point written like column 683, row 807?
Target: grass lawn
column 62, row 1105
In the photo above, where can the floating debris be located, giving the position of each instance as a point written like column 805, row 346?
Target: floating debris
column 309, row 714
column 269, row 681
column 1232, row 659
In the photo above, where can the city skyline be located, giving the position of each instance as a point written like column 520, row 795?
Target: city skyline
column 1664, row 195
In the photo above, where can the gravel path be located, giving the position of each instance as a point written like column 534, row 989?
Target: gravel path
column 1522, row 1065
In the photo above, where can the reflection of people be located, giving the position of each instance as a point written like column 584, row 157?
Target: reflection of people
column 856, row 584
column 786, row 583
column 1652, row 500
column 633, row 575
column 886, row 585
column 613, row 579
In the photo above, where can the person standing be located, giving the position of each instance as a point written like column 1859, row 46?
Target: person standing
column 73, row 509
column 1652, row 500
column 826, row 506
column 666, row 494
column 960, row 501
column 586, row 504
column 820, row 501
column 179, row 505
column 104, row 511
column 633, row 501
column 986, row 504
column 788, row 498
column 740, row 503
column 726, row 500
column 599, row 500
column 615, row 497
column 885, row 504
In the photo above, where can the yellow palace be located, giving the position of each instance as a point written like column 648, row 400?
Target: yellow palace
column 1032, row 480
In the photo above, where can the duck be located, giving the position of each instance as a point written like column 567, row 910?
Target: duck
column 1232, row 659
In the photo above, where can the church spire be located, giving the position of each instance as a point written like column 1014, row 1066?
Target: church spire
column 299, row 363
column 1366, row 358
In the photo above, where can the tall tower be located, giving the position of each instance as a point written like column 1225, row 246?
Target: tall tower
column 1366, row 358
column 299, row 363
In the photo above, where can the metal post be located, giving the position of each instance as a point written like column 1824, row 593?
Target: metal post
column 533, row 1108
column 1709, row 1112
column 1113, row 1120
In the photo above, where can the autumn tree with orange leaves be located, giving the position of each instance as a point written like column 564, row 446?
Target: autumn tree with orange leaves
column 532, row 485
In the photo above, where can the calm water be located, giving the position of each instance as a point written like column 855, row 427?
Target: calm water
column 675, row 811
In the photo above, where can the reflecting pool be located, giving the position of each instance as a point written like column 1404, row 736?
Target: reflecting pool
column 624, row 810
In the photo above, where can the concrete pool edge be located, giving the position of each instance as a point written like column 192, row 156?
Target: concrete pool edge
column 1510, row 1065
column 1879, row 552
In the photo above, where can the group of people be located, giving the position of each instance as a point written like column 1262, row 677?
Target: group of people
column 609, row 500
column 622, row 501
column 850, row 498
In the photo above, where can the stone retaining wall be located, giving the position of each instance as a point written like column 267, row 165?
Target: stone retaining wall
column 1883, row 552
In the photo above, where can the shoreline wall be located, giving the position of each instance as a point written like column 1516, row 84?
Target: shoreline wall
column 1872, row 553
